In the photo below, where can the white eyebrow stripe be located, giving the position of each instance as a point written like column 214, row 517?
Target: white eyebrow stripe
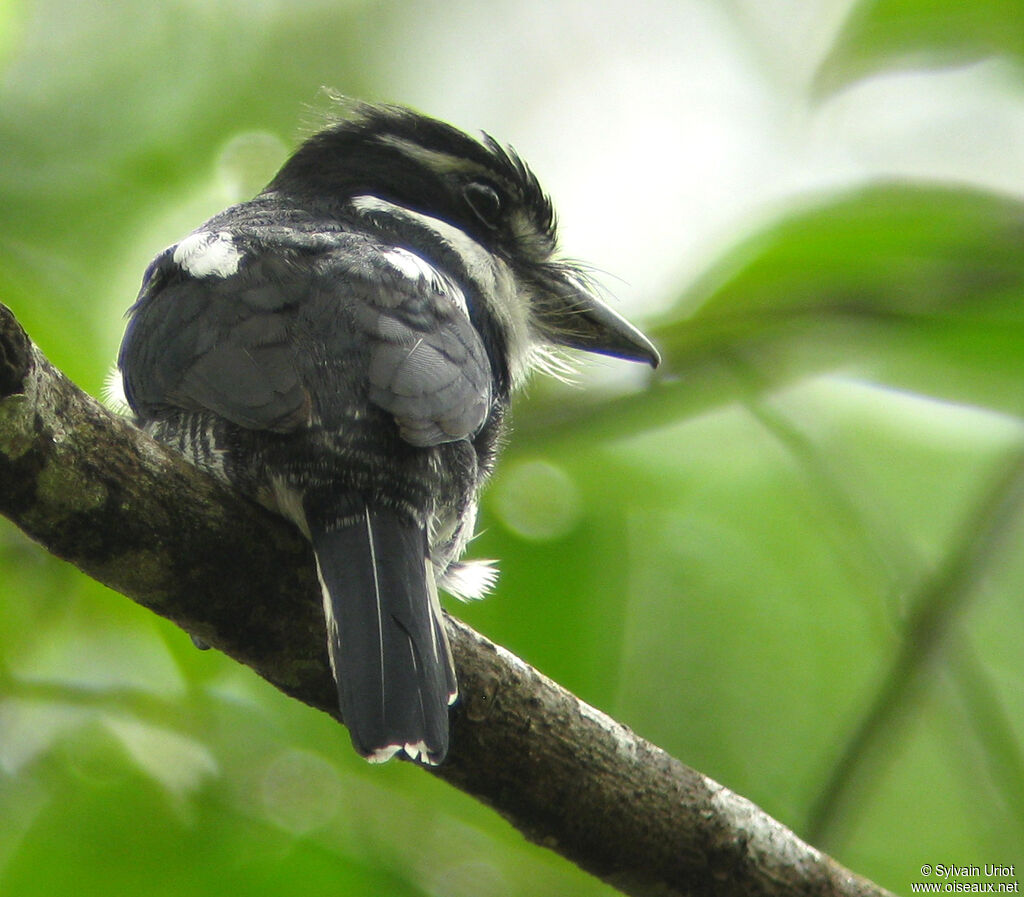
column 436, row 160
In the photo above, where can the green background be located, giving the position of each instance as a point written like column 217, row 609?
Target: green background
column 792, row 557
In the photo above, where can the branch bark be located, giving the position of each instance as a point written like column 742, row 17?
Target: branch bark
column 97, row 492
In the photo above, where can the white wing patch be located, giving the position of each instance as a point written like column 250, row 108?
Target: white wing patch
column 205, row 254
column 412, row 266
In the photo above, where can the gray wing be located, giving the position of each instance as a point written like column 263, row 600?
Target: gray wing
column 297, row 330
column 428, row 366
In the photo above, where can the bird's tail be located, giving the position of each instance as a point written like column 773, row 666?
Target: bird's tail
column 388, row 648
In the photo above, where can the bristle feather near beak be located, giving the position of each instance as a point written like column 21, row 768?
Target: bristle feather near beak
column 570, row 314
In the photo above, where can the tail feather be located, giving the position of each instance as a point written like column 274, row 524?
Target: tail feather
column 388, row 648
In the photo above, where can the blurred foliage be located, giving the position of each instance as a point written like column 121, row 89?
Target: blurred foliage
column 880, row 34
column 787, row 557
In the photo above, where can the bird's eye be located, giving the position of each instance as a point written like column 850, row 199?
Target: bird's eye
column 485, row 202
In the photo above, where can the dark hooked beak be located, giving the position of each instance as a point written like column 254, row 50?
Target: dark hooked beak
column 569, row 314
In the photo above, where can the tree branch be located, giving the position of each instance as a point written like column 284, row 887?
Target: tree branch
column 96, row 491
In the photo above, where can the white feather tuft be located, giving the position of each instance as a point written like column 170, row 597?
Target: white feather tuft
column 470, row 580
column 113, row 392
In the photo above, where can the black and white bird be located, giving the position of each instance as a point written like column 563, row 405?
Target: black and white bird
column 343, row 349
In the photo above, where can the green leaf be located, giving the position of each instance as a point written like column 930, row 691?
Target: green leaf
column 920, row 287
column 881, row 35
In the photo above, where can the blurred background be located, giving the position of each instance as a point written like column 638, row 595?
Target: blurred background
column 791, row 557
